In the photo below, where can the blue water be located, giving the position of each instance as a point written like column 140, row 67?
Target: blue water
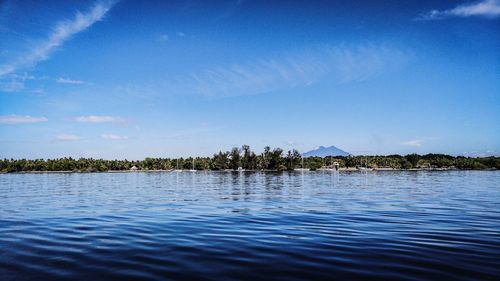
column 250, row 226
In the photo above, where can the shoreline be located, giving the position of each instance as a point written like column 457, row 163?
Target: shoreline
column 252, row 171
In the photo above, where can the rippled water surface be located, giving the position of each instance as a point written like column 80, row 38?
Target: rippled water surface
column 250, row 226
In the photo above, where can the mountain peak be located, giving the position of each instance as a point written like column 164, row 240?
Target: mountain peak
column 322, row 151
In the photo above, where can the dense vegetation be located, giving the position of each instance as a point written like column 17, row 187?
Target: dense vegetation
column 269, row 159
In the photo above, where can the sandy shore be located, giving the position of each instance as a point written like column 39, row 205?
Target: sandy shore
column 350, row 169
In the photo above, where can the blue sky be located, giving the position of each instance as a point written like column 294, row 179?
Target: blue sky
column 132, row 79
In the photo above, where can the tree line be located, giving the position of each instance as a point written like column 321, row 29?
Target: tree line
column 244, row 158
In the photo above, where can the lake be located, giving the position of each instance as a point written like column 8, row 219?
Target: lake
column 250, row 226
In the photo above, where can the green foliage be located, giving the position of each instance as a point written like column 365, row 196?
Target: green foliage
column 276, row 159
column 249, row 159
column 292, row 159
column 412, row 159
column 220, row 161
column 269, row 159
column 234, row 158
column 314, row 163
column 404, row 163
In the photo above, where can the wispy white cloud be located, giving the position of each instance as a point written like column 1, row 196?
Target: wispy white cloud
column 61, row 33
column 483, row 8
column 113, row 137
column 181, row 34
column 293, row 144
column 12, row 84
column 99, row 119
column 39, row 91
column 21, row 119
column 16, row 82
column 163, row 38
column 67, row 137
column 342, row 64
column 486, row 153
column 414, row 143
column 68, row 81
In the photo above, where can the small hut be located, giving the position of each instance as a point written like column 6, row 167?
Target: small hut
column 134, row 168
column 336, row 166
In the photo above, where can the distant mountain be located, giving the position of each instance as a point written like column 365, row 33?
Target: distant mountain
column 326, row 151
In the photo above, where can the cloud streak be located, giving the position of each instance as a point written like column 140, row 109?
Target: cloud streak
column 21, row 119
column 67, row 137
column 414, row 143
column 63, row 31
column 62, row 80
column 163, row 38
column 99, row 119
column 485, row 8
column 342, row 64
column 16, row 82
column 113, row 137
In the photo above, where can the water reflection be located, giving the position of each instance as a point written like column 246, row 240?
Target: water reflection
column 245, row 225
